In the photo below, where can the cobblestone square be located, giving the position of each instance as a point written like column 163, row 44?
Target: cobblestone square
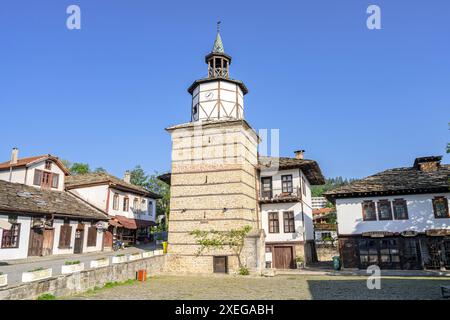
column 284, row 287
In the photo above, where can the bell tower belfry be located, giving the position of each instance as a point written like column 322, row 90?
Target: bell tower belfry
column 214, row 175
column 217, row 97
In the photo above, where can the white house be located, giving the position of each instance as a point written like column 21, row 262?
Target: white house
column 132, row 209
column 286, row 210
column 38, row 216
column 396, row 219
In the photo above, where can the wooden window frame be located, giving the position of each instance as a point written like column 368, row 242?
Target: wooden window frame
column 6, row 237
column 286, row 188
column 274, row 224
column 136, row 205
column 263, row 192
column 372, row 203
column 126, row 204
column 116, row 201
column 384, row 202
column 48, row 165
column 53, row 176
column 436, row 199
column 403, row 203
column 37, row 180
column 288, row 222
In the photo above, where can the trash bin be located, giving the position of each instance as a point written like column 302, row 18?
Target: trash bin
column 141, row 275
column 336, row 263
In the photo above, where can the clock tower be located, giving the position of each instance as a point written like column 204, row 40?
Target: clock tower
column 217, row 97
column 214, row 176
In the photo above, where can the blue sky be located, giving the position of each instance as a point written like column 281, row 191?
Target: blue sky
column 359, row 101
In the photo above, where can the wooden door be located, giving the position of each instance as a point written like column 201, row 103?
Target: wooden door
column 107, row 239
column 220, row 264
column 46, row 180
column 79, row 236
column 36, row 242
column 47, row 247
column 348, row 251
column 284, row 257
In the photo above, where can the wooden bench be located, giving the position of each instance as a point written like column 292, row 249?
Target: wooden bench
column 445, row 291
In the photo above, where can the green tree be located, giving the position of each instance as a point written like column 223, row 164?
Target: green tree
column 138, row 177
column 100, row 170
column 79, row 168
column 213, row 239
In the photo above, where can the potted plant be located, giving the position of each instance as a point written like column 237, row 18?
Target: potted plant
column 3, row 279
column 72, row 266
column 300, row 262
column 36, row 274
column 98, row 263
column 135, row 256
column 120, row 258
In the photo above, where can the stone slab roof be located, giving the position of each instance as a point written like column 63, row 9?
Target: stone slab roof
column 24, row 162
column 92, row 179
column 310, row 168
column 20, row 198
column 406, row 180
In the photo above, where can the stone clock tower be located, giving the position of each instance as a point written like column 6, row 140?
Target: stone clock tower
column 214, row 183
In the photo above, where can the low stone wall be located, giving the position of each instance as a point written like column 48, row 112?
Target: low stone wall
column 66, row 285
column 326, row 253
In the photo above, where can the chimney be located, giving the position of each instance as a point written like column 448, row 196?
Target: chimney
column 14, row 155
column 428, row 164
column 127, row 177
column 299, row 154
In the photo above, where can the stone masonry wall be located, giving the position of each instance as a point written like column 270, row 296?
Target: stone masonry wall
column 66, row 285
column 213, row 187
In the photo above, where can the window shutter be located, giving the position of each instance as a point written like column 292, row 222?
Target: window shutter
column 55, row 180
column 64, row 237
column 37, row 177
column 92, row 236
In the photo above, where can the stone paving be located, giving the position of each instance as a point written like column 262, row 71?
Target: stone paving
column 285, row 287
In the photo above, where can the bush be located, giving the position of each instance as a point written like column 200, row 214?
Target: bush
column 37, row 269
column 69, row 263
column 46, row 296
column 120, row 255
column 243, row 271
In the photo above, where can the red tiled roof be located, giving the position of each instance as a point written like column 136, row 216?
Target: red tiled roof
column 20, row 162
column 23, row 162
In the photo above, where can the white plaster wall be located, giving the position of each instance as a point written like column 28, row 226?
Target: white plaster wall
column 307, row 210
column 144, row 215
column 41, row 166
column 420, row 212
column 17, row 176
column 96, row 195
column 22, row 251
column 280, row 208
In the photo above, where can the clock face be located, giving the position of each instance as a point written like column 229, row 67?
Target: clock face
column 209, row 95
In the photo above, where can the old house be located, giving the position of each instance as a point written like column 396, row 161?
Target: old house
column 132, row 209
column 396, row 219
column 286, row 209
column 40, row 217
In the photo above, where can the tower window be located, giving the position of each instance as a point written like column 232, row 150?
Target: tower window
column 194, row 109
column 218, row 63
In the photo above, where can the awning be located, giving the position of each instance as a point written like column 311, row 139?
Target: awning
column 5, row 225
column 145, row 223
column 126, row 223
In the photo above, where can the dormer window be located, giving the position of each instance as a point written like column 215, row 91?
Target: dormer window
column 46, row 179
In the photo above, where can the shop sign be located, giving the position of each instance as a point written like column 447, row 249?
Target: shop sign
column 438, row 232
column 409, row 233
column 377, row 234
column 101, row 225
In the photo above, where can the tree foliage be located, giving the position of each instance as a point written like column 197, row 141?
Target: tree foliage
column 330, row 183
column 79, row 168
column 151, row 182
column 234, row 239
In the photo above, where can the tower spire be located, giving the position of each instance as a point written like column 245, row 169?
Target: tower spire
column 218, row 45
